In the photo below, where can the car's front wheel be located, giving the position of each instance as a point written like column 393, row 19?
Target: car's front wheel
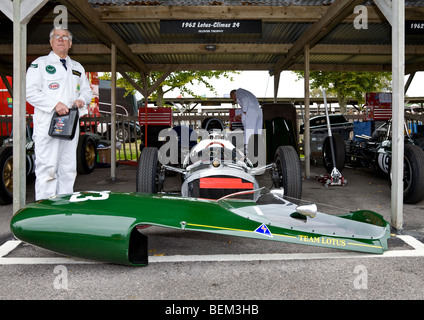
column 289, row 170
column 148, row 171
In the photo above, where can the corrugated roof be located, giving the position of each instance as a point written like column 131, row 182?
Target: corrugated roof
column 212, row 3
column 343, row 46
column 408, row 3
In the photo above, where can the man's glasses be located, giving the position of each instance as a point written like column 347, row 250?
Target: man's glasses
column 57, row 37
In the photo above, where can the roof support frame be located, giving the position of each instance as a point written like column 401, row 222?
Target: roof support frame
column 338, row 11
column 146, row 92
column 386, row 9
column 307, row 115
column 113, row 113
column 83, row 11
column 22, row 11
column 398, row 75
column 394, row 11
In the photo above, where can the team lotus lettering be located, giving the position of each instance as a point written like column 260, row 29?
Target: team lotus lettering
column 323, row 240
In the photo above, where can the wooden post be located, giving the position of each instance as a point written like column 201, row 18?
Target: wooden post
column 398, row 97
column 19, row 108
column 113, row 113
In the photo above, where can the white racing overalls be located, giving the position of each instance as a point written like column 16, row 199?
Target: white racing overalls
column 48, row 83
column 251, row 117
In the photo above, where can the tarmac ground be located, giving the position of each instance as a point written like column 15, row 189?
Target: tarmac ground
column 193, row 265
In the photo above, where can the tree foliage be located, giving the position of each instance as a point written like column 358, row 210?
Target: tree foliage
column 179, row 80
column 348, row 85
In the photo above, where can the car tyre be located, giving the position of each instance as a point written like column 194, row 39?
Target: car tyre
column 148, row 171
column 6, row 183
column 339, row 152
column 413, row 174
column 86, row 154
column 289, row 170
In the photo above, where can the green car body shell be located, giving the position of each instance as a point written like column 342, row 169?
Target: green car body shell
column 104, row 226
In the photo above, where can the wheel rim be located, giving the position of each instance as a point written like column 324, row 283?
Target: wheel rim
column 90, row 155
column 157, row 177
column 8, row 175
column 407, row 175
column 327, row 157
column 280, row 172
column 121, row 135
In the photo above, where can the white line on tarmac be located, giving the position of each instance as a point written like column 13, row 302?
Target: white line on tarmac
column 418, row 251
column 8, row 247
column 414, row 243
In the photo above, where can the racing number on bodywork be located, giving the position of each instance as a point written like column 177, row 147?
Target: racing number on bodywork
column 384, row 162
column 78, row 196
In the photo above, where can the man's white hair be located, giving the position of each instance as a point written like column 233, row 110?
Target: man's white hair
column 60, row 28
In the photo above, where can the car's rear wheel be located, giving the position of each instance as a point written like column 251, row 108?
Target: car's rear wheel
column 289, row 171
column 413, row 174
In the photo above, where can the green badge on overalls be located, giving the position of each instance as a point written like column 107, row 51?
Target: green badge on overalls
column 50, row 69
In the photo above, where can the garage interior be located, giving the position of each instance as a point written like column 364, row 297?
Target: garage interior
column 124, row 36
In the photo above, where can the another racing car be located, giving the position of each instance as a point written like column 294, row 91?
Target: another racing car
column 375, row 152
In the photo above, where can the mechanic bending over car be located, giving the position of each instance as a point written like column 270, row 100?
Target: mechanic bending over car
column 251, row 116
column 56, row 83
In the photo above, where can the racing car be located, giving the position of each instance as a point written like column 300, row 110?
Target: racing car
column 375, row 152
column 215, row 167
column 219, row 194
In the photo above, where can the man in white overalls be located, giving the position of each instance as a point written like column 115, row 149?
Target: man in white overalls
column 251, row 116
column 55, row 83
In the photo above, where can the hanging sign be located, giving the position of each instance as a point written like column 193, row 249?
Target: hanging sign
column 210, row 26
column 414, row 27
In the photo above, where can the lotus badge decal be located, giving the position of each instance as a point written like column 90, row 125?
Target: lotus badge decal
column 263, row 229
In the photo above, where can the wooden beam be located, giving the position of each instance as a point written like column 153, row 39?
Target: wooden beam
column 137, row 49
column 336, row 13
column 327, row 49
column 385, row 7
column 113, row 77
column 255, row 67
column 112, row 14
column 44, row 49
column 133, row 83
column 268, row 14
column 83, row 11
column 307, row 131
column 197, row 48
column 145, row 92
column 343, row 67
column 159, row 82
